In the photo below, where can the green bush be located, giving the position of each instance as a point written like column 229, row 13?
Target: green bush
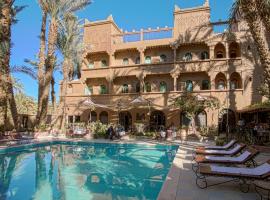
column 98, row 129
column 220, row 141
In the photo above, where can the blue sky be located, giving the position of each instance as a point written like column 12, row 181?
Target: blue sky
column 128, row 14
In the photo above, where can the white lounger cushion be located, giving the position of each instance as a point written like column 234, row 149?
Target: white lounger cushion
column 226, row 146
column 258, row 171
column 228, row 152
column 240, row 158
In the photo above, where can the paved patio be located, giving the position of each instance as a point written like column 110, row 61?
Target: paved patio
column 181, row 185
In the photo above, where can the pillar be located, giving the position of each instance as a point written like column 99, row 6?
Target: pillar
column 141, row 50
column 212, row 52
column 112, row 59
column 175, row 83
column 227, row 50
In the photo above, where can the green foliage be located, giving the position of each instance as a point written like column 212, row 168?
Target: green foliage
column 25, row 104
column 220, row 141
column 265, row 104
column 98, row 129
column 192, row 105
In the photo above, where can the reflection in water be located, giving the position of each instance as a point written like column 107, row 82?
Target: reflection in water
column 69, row 172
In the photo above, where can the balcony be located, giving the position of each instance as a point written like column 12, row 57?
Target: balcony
column 143, row 35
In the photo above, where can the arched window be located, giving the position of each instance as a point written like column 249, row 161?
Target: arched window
column 188, row 57
column 163, row 87
column 88, row 90
column 220, row 81
column 125, row 88
column 205, row 85
column 234, row 50
column 104, row 63
column 235, row 81
column 90, row 64
column 138, row 87
column 138, row 60
column 103, row 117
column 221, row 84
column 148, row 60
column 163, row 58
column 204, row 55
column 189, row 86
column 147, row 87
column 220, row 54
column 103, row 89
column 220, row 51
column 125, row 61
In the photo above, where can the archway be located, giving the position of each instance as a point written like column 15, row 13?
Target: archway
column 220, row 81
column 157, row 120
column 235, row 81
column 201, row 119
column 92, row 116
column 125, row 120
column 103, row 117
column 220, row 51
column 226, row 117
column 234, row 50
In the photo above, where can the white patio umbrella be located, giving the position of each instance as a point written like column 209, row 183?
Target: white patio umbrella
column 140, row 101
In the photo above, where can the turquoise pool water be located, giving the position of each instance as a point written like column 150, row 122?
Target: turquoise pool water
column 84, row 171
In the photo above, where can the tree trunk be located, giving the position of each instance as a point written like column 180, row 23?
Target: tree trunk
column 254, row 23
column 65, row 70
column 6, row 21
column 41, row 65
column 49, row 67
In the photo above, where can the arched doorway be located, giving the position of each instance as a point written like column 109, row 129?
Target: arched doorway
column 226, row 116
column 157, row 120
column 103, row 117
column 92, row 116
column 125, row 120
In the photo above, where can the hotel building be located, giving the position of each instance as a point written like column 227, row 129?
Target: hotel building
column 133, row 77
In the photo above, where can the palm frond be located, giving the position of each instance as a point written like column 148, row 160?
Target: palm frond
column 25, row 70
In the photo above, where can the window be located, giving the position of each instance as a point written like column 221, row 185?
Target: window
column 221, row 84
column 125, row 61
column 92, row 116
column 187, row 57
column 77, row 119
column 163, row 87
column 88, row 90
column 220, row 54
column 147, row 87
column 138, row 87
column 163, row 58
column 125, row 88
column 104, row 63
column 233, row 54
column 148, row 60
column 103, row 89
column 90, row 65
column 205, row 85
column 189, row 86
column 204, row 55
column 138, row 60
column 70, row 119
column 233, row 84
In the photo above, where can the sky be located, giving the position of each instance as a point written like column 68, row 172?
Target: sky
column 128, row 15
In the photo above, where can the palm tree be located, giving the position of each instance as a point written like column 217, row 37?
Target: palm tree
column 69, row 43
column 8, row 13
column 42, row 50
column 263, row 8
column 249, row 11
column 56, row 10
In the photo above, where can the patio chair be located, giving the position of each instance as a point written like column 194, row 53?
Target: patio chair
column 243, row 175
column 224, row 147
column 247, row 157
column 231, row 152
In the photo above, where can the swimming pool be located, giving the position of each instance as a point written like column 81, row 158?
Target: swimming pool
column 83, row 171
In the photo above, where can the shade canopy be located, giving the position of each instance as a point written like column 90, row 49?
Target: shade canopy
column 90, row 103
column 140, row 101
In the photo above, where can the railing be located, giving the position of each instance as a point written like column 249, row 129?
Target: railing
column 143, row 35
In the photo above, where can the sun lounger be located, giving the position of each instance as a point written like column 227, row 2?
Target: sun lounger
column 246, row 157
column 243, row 175
column 224, row 147
column 231, row 152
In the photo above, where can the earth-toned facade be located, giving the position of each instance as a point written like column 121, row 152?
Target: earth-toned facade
column 133, row 77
